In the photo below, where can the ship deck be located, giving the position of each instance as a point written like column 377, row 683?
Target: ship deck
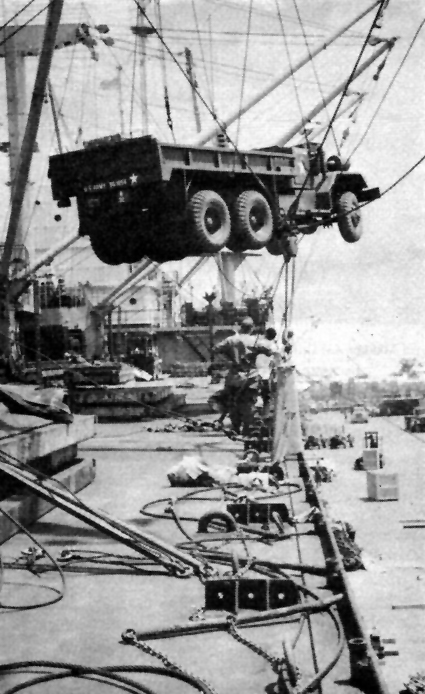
column 101, row 602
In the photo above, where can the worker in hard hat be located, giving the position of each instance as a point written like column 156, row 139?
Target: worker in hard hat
column 240, row 390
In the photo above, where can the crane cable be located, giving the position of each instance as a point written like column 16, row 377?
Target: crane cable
column 288, row 56
column 369, row 125
column 313, row 65
column 342, row 97
column 248, row 31
column 164, row 74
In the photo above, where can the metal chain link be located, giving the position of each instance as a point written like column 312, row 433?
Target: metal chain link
column 149, row 650
column 275, row 662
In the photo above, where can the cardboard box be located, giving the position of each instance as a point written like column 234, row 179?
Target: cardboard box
column 382, row 486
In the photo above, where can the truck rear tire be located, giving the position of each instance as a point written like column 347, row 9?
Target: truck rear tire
column 209, row 221
column 252, row 221
column 349, row 217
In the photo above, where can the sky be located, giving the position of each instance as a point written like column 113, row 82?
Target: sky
column 357, row 307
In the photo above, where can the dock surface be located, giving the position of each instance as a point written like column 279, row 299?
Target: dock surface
column 102, row 601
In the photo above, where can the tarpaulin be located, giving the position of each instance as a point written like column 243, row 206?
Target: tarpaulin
column 287, row 435
column 45, row 403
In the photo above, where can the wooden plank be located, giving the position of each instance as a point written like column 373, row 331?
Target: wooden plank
column 44, row 439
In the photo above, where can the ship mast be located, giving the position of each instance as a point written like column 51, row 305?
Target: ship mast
column 19, row 43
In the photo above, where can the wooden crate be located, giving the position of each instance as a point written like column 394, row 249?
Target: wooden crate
column 382, row 486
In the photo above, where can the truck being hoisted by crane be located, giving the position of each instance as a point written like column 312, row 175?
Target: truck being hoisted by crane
column 138, row 197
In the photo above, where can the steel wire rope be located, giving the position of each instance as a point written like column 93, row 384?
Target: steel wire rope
column 267, row 13
column 161, row 555
column 245, row 62
column 360, row 206
column 201, row 48
column 257, row 34
column 118, row 64
column 261, row 282
column 211, row 60
column 16, row 14
column 133, row 82
column 309, row 624
column 70, row 558
column 315, row 682
column 210, row 111
column 108, row 672
column 289, row 59
column 78, row 251
column 344, row 93
column 60, row 593
column 22, row 26
column 313, row 65
column 217, row 66
column 164, row 74
column 384, row 96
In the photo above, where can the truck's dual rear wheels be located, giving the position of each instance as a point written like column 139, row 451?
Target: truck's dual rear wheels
column 242, row 223
column 252, row 222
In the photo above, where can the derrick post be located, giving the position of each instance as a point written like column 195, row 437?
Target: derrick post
column 20, row 42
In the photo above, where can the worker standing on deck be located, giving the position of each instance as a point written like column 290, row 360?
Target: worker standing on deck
column 240, row 386
column 268, row 348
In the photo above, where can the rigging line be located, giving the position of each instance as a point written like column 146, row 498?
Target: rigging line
column 258, row 34
column 22, row 26
column 344, row 93
column 285, row 315
column 256, row 275
column 403, row 176
column 201, row 48
column 54, row 115
column 282, row 267
column 384, row 192
column 164, row 73
column 133, row 82
column 211, row 49
column 196, row 90
column 153, row 53
column 291, row 302
column 313, row 65
column 67, row 82
column 242, row 8
column 288, row 55
column 248, row 30
column 369, row 125
column 16, row 15
column 76, row 252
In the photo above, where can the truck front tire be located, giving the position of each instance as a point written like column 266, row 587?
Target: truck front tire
column 349, row 217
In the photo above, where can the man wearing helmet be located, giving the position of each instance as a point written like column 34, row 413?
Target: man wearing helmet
column 240, row 386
